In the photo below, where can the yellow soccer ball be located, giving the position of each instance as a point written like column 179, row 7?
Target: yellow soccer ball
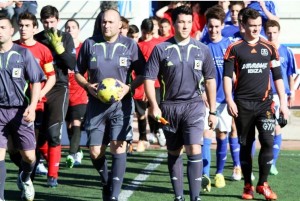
column 108, row 90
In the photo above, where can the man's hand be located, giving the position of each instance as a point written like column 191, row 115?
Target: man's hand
column 232, row 108
column 29, row 114
column 55, row 40
column 154, row 112
column 284, row 111
column 212, row 121
column 92, row 89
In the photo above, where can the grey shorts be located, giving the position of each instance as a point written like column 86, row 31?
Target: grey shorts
column 187, row 118
column 108, row 122
column 22, row 132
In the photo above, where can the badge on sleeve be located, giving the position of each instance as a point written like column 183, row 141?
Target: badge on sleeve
column 123, row 61
column 198, row 65
column 16, row 72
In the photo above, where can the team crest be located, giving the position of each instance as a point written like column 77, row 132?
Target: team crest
column 16, row 73
column 123, row 61
column 269, row 115
column 198, row 65
column 264, row 52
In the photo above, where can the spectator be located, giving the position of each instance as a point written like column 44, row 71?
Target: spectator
column 25, row 6
column 165, row 29
column 166, row 12
column 6, row 8
column 133, row 32
column 125, row 25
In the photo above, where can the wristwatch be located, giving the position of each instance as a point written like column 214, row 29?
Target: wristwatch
column 213, row 113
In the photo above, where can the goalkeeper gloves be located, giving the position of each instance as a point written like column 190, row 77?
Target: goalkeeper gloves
column 55, row 40
column 282, row 121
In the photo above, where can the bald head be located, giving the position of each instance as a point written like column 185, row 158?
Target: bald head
column 111, row 25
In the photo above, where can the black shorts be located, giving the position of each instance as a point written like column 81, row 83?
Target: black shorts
column 140, row 107
column 76, row 112
column 253, row 114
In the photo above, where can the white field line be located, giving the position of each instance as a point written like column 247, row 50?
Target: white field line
column 138, row 180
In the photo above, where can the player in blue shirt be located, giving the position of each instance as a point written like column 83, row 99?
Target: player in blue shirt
column 18, row 67
column 218, row 45
column 180, row 64
column 288, row 68
column 232, row 27
column 110, row 55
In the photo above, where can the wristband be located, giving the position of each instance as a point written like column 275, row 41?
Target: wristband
column 213, row 113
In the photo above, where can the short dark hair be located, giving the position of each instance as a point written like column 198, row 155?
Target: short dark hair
column 272, row 23
column 147, row 25
column 4, row 17
column 187, row 10
column 250, row 13
column 165, row 20
column 215, row 12
column 125, row 22
column 29, row 16
column 72, row 20
column 132, row 29
column 49, row 11
column 232, row 3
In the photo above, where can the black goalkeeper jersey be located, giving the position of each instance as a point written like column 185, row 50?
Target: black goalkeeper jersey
column 252, row 64
column 64, row 61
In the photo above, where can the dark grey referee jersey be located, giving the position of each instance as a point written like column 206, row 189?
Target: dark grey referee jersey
column 18, row 68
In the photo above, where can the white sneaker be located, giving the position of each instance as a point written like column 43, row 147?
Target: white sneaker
column 41, row 169
column 28, row 189
column 161, row 137
column 237, row 173
column 151, row 138
column 78, row 157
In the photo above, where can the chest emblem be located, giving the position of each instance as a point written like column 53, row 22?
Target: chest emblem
column 123, row 61
column 16, row 73
column 198, row 65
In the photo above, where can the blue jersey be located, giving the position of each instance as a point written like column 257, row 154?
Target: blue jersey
column 230, row 30
column 288, row 67
column 218, row 51
column 17, row 68
column 180, row 69
column 227, row 17
column 269, row 5
column 110, row 60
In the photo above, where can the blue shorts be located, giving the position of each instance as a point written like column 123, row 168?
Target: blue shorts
column 12, row 123
column 104, row 121
column 187, row 118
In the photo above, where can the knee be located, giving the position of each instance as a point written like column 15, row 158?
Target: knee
column 29, row 158
column 54, row 135
column 97, row 152
column 194, row 149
